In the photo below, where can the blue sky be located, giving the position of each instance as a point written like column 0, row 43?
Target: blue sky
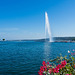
column 25, row 19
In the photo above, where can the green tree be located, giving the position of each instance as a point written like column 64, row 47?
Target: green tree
column 3, row 39
column 73, row 39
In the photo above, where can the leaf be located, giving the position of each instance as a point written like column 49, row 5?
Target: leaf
column 55, row 73
column 72, row 58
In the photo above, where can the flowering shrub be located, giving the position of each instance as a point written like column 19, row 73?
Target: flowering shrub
column 64, row 66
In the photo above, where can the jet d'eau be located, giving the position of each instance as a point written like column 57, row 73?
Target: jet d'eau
column 47, row 27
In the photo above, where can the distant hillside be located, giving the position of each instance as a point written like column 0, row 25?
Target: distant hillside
column 64, row 38
column 59, row 39
column 54, row 38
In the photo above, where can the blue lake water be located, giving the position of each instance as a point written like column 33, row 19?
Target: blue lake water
column 25, row 58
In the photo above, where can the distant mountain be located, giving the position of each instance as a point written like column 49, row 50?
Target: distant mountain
column 58, row 39
column 64, row 38
column 47, row 39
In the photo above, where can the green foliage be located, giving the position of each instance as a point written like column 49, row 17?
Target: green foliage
column 73, row 39
column 69, row 68
column 3, row 39
column 64, row 65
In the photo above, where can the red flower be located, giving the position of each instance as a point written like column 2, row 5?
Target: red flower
column 46, row 67
column 44, row 63
column 63, row 63
column 59, row 66
column 48, row 63
column 42, row 68
column 57, row 69
column 54, row 70
column 40, row 73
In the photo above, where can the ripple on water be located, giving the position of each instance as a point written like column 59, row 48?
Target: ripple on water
column 25, row 58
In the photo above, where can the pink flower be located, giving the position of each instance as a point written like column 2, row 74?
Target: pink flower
column 63, row 63
column 68, row 74
column 48, row 63
column 46, row 67
column 59, row 66
column 54, row 70
column 42, row 68
column 44, row 63
column 40, row 73
column 57, row 69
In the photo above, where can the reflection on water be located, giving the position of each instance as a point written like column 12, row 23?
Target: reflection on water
column 47, row 50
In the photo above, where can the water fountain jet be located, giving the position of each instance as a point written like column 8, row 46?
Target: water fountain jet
column 47, row 27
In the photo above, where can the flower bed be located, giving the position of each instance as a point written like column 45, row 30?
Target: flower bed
column 63, row 66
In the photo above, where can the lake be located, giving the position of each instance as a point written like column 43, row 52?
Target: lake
column 25, row 57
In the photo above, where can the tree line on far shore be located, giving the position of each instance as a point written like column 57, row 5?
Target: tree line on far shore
column 73, row 39
column 2, row 40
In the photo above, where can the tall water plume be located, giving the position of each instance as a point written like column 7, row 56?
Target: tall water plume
column 47, row 27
